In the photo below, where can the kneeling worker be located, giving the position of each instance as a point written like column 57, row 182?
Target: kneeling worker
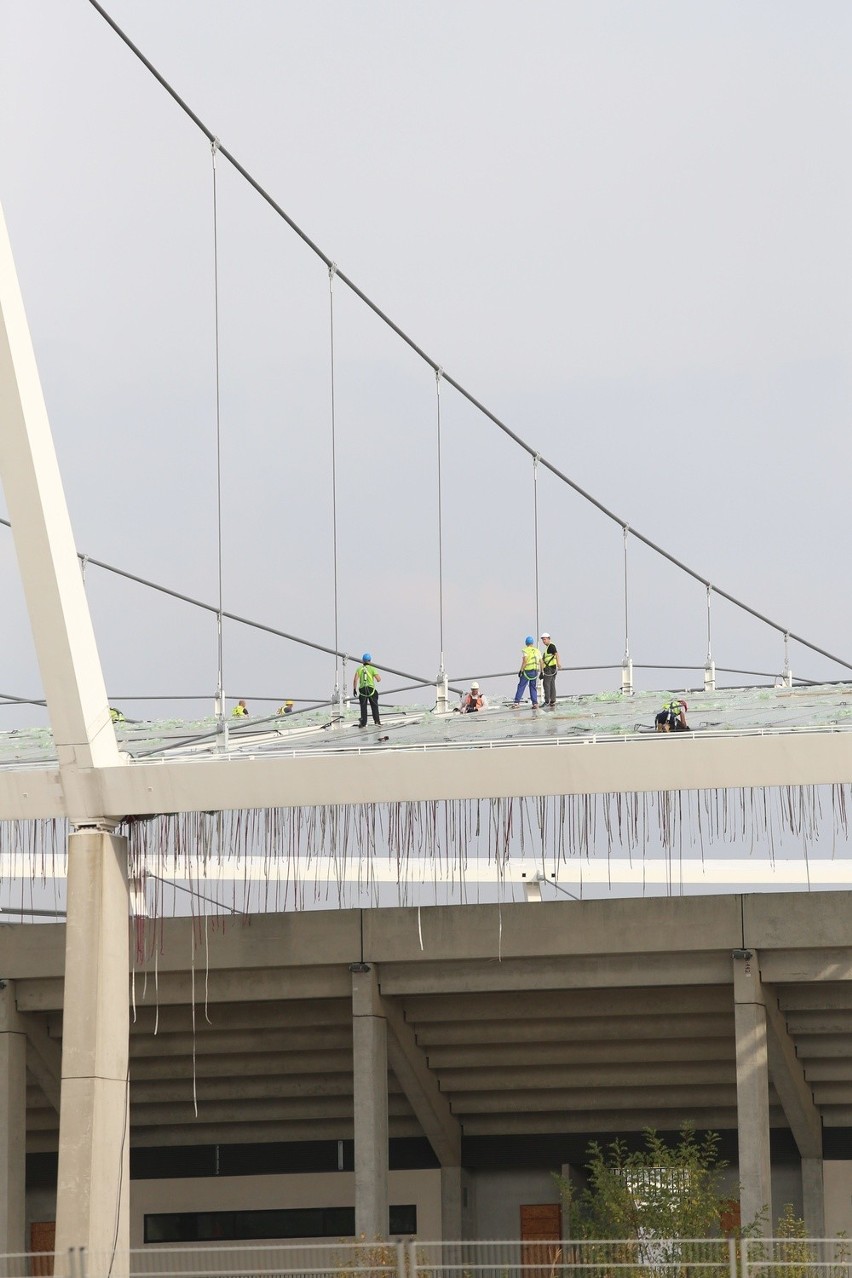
column 672, row 717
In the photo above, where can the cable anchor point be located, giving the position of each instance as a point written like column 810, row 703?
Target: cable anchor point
column 215, row 145
column 332, row 270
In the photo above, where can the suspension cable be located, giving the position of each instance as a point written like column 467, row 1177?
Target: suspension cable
column 438, row 375
column 332, row 271
column 536, row 460
column 626, row 531
column 457, row 386
column 220, row 682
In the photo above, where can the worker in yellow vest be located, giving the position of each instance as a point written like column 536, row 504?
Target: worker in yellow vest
column 364, row 684
column 240, row 711
column 528, row 673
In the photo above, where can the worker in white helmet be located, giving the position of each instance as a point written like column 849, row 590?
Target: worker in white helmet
column 473, row 700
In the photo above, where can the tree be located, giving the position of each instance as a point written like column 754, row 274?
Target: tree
column 662, row 1191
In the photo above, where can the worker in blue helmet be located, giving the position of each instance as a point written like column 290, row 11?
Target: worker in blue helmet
column 364, row 687
column 529, row 672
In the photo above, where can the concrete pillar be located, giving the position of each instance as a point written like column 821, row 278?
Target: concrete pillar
column 370, row 1067
column 13, row 1124
column 813, row 1197
column 94, row 1147
column 752, row 1093
column 451, row 1204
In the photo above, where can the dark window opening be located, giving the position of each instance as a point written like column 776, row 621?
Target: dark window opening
column 278, row 1222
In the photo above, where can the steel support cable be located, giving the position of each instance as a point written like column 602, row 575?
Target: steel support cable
column 709, row 644
column 220, row 674
column 438, row 375
column 451, row 381
column 332, row 271
column 535, row 534
column 232, row 616
column 626, row 532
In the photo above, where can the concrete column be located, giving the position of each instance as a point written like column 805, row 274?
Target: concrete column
column 813, row 1197
column 451, row 1204
column 94, row 1147
column 13, row 1124
column 370, row 1067
column 752, row 1093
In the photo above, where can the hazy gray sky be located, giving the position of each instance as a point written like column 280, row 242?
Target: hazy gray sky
column 624, row 226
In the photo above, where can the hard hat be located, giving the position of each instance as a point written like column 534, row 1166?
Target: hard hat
column 529, row 639
column 288, row 703
column 545, row 634
column 474, row 685
column 366, row 657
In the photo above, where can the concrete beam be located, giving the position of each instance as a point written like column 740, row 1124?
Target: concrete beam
column 237, row 1064
column 788, row 1078
column 420, row 1085
column 226, row 1042
column 199, row 1133
column 800, row 966
column 591, row 1099
column 637, row 1120
column 559, row 1004
column 603, row 766
column 263, row 985
column 237, row 1111
column 649, row 1051
column 715, row 1031
column 494, row 1077
column 598, row 972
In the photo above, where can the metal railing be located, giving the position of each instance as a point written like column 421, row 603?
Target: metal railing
column 538, row 1258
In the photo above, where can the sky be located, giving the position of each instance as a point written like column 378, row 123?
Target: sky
column 623, row 226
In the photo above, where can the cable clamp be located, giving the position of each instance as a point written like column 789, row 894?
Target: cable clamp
column 332, row 270
column 439, row 373
column 215, row 144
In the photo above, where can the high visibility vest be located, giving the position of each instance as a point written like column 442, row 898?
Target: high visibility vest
column 548, row 658
column 532, row 657
column 365, row 677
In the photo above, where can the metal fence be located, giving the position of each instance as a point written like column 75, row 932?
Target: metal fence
column 536, row 1258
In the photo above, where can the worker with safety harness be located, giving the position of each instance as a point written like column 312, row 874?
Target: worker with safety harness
column 364, row 686
column 528, row 673
column 550, row 663
column 672, row 717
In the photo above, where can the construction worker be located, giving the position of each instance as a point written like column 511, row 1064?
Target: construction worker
column 117, row 716
column 528, row 673
column 364, row 686
column 473, row 700
column 550, row 663
column 287, row 708
column 240, row 711
column 672, row 717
